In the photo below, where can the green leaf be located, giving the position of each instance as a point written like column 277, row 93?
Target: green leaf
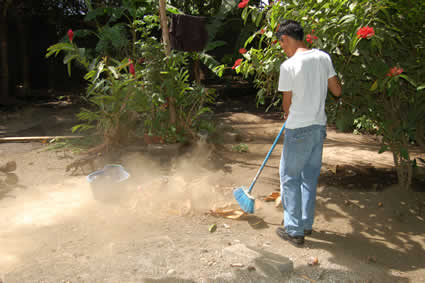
column 259, row 18
column 249, row 40
column 113, row 71
column 76, row 128
column 93, row 14
column 69, row 57
column 69, row 69
column 374, row 86
column 404, row 153
column 408, row 79
column 213, row 45
column 244, row 14
column 173, row 10
column 383, row 149
column 353, row 43
column 421, row 87
column 347, row 19
column 99, row 70
column 57, row 48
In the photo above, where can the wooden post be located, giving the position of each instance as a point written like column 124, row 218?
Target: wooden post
column 166, row 40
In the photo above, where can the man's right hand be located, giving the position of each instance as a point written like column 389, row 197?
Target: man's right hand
column 334, row 86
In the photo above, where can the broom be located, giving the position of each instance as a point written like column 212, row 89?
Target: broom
column 243, row 196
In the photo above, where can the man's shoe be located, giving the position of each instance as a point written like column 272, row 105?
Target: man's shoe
column 294, row 240
column 306, row 232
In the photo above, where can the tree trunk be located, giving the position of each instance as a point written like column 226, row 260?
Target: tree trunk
column 403, row 167
column 166, row 40
column 4, row 62
column 164, row 26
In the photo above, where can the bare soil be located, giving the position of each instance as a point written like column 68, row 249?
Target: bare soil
column 52, row 229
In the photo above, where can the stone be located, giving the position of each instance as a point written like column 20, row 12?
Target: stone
column 8, row 166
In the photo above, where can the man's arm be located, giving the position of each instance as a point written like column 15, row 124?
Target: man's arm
column 287, row 100
column 334, row 86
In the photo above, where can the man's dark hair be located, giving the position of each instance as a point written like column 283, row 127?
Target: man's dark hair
column 290, row 28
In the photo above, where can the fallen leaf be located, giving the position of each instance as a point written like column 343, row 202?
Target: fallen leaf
column 308, row 278
column 272, row 197
column 227, row 213
column 236, row 265
column 212, row 228
column 278, row 202
column 380, row 204
column 251, row 268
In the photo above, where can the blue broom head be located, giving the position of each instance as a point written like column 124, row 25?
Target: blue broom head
column 244, row 199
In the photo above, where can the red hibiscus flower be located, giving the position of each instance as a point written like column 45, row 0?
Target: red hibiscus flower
column 243, row 4
column 274, row 41
column 310, row 38
column 132, row 70
column 394, row 71
column 242, row 51
column 365, row 32
column 237, row 63
column 70, row 35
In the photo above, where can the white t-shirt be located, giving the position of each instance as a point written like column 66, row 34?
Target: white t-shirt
column 306, row 74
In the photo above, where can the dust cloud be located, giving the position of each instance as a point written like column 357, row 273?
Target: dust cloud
column 187, row 186
column 162, row 184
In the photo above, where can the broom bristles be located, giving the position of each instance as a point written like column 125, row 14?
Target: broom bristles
column 244, row 199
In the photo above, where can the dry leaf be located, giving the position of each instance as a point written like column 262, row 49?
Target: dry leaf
column 227, row 213
column 307, row 278
column 272, row 197
column 278, row 202
column 380, row 204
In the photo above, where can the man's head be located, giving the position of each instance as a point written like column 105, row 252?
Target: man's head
column 290, row 28
column 290, row 35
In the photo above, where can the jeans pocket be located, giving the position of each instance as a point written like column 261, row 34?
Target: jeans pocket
column 298, row 137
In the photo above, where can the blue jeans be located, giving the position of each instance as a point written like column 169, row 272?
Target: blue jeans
column 299, row 172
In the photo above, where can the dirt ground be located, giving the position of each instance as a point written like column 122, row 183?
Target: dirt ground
column 53, row 230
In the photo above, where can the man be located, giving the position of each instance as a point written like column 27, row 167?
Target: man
column 304, row 80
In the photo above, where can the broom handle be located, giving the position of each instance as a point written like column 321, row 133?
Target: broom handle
column 267, row 158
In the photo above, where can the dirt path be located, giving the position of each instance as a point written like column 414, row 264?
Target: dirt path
column 52, row 230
